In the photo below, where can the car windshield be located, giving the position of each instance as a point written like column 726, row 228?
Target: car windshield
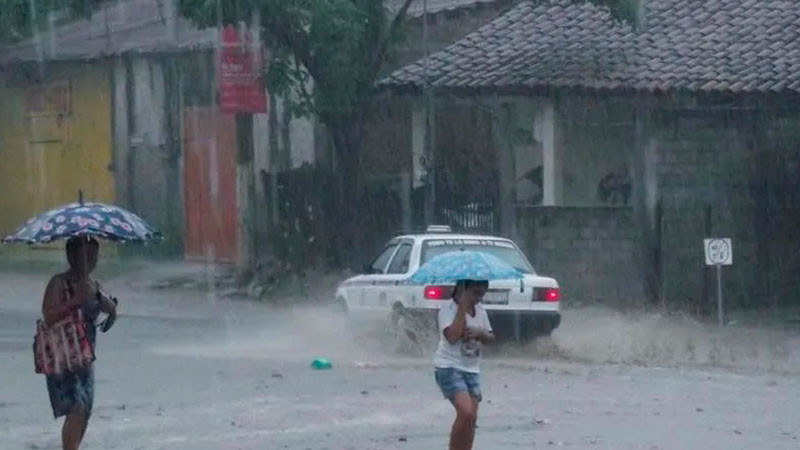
column 505, row 250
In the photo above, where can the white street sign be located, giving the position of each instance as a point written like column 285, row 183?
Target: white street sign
column 719, row 252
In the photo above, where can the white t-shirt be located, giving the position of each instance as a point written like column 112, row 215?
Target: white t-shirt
column 463, row 355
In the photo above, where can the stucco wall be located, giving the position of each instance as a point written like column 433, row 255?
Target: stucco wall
column 147, row 144
column 55, row 139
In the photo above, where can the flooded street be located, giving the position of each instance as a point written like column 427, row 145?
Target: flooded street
column 185, row 369
column 615, row 184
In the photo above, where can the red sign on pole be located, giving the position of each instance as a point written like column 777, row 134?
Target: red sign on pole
column 239, row 74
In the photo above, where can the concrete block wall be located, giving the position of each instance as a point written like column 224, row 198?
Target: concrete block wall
column 590, row 251
column 711, row 174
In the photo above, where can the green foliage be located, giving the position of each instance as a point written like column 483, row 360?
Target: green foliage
column 325, row 55
column 18, row 18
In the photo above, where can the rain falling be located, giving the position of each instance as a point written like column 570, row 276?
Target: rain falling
column 399, row 224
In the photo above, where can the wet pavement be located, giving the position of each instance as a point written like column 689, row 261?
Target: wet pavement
column 185, row 369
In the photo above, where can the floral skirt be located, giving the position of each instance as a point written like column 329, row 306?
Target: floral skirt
column 71, row 390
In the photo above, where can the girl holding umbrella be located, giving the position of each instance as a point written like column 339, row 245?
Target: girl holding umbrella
column 464, row 328
column 73, row 301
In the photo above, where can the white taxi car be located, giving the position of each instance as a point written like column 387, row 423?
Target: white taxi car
column 524, row 308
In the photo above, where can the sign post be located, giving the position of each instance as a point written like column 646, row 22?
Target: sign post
column 719, row 252
column 241, row 92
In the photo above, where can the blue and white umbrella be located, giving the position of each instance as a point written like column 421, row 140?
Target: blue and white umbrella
column 84, row 219
column 464, row 265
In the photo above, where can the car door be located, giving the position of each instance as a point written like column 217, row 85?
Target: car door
column 370, row 282
column 387, row 289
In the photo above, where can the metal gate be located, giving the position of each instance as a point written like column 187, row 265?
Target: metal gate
column 468, row 203
column 209, row 171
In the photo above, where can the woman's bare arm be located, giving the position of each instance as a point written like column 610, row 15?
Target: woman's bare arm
column 456, row 329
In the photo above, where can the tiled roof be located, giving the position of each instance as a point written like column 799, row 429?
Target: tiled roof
column 434, row 6
column 709, row 45
column 736, row 45
column 138, row 26
column 149, row 26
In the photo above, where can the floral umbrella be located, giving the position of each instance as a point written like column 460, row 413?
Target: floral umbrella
column 84, row 219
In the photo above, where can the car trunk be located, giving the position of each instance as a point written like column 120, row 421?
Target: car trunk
column 518, row 294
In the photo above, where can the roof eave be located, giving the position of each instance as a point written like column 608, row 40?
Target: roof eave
column 98, row 56
column 544, row 89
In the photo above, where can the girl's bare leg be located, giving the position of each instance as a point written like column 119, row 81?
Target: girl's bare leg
column 463, row 431
column 473, row 425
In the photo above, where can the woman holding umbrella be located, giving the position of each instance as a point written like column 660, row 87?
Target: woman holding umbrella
column 463, row 329
column 72, row 393
column 65, row 340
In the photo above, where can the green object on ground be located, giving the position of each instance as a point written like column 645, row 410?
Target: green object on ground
column 321, row 364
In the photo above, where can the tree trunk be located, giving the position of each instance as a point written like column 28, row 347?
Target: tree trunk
column 347, row 138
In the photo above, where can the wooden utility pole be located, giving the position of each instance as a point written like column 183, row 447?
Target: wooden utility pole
column 430, row 126
column 645, row 202
column 245, row 193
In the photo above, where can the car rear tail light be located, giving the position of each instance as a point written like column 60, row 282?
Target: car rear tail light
column 548, row 295
column 438, row 292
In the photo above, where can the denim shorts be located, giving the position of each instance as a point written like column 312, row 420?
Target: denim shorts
column 451, row 381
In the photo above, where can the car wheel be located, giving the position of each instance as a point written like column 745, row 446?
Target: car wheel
column 341, row 306
column 542, row 332
column 397, row 314
column 526, row 335
column 403, row 323
column 533, row 330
